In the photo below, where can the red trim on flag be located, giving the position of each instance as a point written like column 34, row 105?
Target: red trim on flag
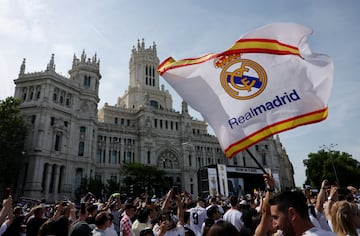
column 229, row 154
column 170, row 63
column 268, row 46
column 268, row 41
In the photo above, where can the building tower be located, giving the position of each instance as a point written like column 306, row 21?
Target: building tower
column 144, row 88
column 61, row 115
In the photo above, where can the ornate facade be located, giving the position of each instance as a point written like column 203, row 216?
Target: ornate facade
column 69, row 138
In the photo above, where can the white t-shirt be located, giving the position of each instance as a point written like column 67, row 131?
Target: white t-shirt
column 178, row 230
column 110, row 232
column 234, row 217
column 197, row 218
column 314, row 221
column 314, row 231
column 322, row 220
column 3, row 228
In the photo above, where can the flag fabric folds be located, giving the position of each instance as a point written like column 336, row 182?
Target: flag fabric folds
column 268, row 82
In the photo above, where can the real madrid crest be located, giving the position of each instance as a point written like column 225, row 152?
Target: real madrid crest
column 241, row 78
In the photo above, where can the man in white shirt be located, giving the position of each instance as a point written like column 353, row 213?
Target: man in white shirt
column 197, row 216
column 233, row 215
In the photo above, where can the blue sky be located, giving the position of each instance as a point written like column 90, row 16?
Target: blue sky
column 34, row 29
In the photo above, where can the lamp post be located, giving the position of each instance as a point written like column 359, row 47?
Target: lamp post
column 329, row 149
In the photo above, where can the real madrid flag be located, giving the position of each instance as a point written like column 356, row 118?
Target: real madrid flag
column 269, row 81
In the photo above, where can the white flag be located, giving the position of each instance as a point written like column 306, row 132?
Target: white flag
column 269, row 81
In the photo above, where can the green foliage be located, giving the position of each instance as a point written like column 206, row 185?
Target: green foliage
column 333, row 166
column 112, row 187
column 12, row 138
column 95, row 186
column 141, row 178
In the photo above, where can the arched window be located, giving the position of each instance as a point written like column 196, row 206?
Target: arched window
column 24, row 94
column 81, row 149
column 168, row 160
column 154, row 104
column 55, row 95
column 38, row 92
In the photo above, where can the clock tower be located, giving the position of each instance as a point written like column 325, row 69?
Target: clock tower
column 144, row 85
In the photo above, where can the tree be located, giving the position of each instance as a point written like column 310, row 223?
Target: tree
column 12, row 139
column 95, row 186
column 335, row 166
column 141, row 178
column 112, row 187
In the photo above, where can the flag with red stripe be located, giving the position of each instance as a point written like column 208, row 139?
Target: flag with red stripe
column 268, row 82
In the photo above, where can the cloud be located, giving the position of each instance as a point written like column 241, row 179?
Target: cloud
column 7, row 84
column 23, row 23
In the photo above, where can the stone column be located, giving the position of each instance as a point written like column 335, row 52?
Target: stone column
column 47, row 181
column 56, row 182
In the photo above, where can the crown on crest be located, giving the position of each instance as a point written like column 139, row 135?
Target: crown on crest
column 222, row 61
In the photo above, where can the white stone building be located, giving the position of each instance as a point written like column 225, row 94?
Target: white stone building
column 69, row 138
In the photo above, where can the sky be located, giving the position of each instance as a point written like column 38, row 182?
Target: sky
column 35, row 29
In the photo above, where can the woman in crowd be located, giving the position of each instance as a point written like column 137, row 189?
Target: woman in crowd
column 345, row 218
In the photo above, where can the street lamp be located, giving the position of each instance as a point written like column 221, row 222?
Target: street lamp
column 329, row 149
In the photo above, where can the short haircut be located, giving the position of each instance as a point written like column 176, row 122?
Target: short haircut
column 143, row 215
column 200, row 199
column 294, row 199
column 212, row 210
column 101, row 218
column 234, row 200
column 129, row 206
column 91, row 208
column 38, row 210
column 223, row 228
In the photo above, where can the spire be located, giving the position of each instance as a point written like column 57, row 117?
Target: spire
column 83, row 56
column 74, row 60
column 22, row 67
column 94, row 59
column 51, row 65
column 154, row 47
column 184, row 107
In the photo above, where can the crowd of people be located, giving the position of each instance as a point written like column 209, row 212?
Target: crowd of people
column 328, row 211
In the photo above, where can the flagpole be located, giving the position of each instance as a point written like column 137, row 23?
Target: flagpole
column 252, row 156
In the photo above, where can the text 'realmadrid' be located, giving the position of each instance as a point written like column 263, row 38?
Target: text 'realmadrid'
column 267, row 106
